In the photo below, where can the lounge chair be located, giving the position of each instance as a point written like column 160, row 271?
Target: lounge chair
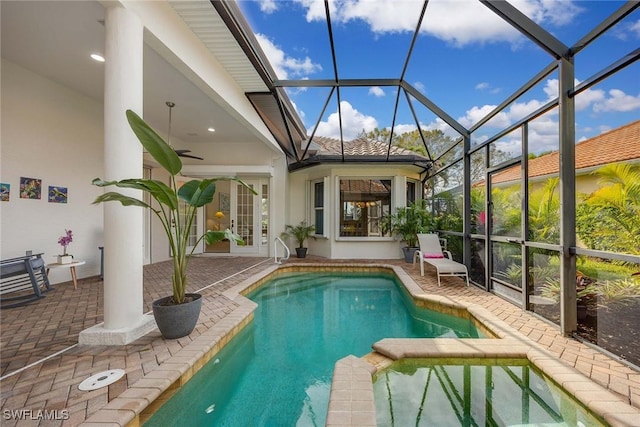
column 431, row 252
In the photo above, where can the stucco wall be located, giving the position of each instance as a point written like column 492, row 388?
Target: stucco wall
column 52, row 133
column 333, row 246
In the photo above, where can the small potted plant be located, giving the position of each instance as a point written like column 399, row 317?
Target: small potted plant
column 175, row 315
column 406, row 223
column 64, row 241
column 300, row 233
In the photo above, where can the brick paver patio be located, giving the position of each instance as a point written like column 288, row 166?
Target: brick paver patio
column 42, row 365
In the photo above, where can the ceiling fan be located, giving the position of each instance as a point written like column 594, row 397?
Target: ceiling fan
column 183, row 153
column 180, row 153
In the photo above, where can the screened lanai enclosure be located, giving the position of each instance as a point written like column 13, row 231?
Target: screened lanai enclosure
column 524, row 118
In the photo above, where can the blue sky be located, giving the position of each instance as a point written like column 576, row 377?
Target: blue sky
column 466, row 60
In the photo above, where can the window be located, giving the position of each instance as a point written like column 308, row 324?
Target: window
column 363, row 203
column 318, row 206
column 411, row 192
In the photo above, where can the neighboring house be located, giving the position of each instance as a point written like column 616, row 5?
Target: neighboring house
column 621, row 145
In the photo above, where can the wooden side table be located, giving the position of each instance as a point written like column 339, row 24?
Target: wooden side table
column 71, row 266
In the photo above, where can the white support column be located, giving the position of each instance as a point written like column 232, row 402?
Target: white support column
column 123, row 226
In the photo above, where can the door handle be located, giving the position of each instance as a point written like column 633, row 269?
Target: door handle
column 518, row 241
column 232, row 225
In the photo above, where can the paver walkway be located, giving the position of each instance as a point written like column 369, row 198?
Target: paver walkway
column 49, row 328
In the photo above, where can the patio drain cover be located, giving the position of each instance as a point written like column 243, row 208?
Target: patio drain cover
column 101, row 379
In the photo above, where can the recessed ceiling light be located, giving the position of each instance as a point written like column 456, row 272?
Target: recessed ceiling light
column 211, row 130
column 97, row 57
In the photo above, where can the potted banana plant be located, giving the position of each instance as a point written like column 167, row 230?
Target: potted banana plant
column 176, row 315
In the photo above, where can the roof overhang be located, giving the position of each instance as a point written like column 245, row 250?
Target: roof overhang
column 406, row 160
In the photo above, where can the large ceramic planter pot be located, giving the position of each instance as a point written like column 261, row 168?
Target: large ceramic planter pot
column 409, row 253
column 301, row 252
column 177, row 320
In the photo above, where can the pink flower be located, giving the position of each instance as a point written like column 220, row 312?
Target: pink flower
column 482, row 217
column 65, row 240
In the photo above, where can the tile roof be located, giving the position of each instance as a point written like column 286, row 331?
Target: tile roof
column 617, row 145
column 364, row 186
column 359, row 147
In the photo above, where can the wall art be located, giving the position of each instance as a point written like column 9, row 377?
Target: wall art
column 5, row 191
column 224, row 202
column 57, row 194
column 30, row 188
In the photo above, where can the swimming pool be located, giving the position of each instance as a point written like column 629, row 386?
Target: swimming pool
column 473, row 392
column 278, row 370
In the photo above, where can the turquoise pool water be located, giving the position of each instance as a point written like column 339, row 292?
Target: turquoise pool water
column 473, row 393
column 277, row 371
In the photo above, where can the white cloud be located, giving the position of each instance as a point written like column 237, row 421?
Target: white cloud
column 582, row 101
column 542, row 136
column 382, row 16
column 486, row 87
column 473, row 116
column 301, row 113
column 551, row 88
column 436, row 124
column 626, row 31
column 518, row 110
column 554, row 12
column 463, row 23
column 597, row 99
column 604, row 128
column 353, row 122
column 315, row 9
column 284, row 65
column 376, row 91
column 268, row 6
column 460, row 23
column 420, row 87
column 543, row 131
column 400, row 129
column 635, row 28
column 617, row 101
column 587, row 98
column 441, row 125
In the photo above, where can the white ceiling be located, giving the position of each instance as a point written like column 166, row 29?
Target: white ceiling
column 55, row 38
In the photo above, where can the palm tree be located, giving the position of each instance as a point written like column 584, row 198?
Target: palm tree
column 544, row 212
column 609, row 217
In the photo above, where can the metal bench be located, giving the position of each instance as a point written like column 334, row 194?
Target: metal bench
column 22, row 280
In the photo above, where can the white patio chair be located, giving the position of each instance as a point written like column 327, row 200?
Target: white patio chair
column 432, row 253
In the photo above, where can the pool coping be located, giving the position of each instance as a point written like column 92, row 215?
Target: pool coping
column 351, row 401
column 352, row 377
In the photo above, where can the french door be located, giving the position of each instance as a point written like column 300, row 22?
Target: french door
column 236, row 208
column 245, row 217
